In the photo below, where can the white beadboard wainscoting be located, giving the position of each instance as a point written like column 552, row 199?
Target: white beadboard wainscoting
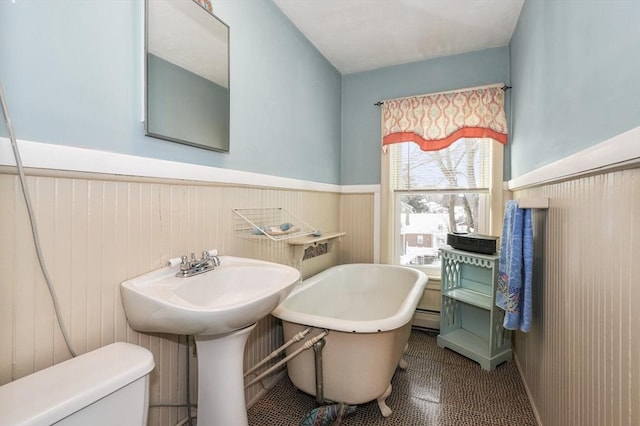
column 357, row 215
column 104, row 218
column 99, row 230
column 581, row 360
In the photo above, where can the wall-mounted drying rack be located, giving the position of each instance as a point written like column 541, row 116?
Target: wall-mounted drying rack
column 278, row 224
column 533, row 203
column 271, row 223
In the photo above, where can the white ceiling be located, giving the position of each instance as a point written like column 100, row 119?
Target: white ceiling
column 361, row 35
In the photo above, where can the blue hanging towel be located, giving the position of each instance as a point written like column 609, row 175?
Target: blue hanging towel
column 513, row 293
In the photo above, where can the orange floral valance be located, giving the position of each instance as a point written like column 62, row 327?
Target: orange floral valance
column 436, row 121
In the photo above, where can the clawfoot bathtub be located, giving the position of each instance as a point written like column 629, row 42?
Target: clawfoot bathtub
column 367, row 310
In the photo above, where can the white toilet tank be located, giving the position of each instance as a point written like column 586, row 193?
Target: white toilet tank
column 108, row 386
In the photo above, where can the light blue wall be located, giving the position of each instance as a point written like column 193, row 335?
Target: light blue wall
column 575, row 72
column 361, row 140
column 71, row 71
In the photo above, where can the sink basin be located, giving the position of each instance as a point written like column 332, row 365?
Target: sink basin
column 234, row 295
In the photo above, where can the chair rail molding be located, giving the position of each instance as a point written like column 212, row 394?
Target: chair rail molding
column 620, row 151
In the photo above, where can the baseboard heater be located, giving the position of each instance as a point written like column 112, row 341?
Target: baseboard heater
column 426, row 319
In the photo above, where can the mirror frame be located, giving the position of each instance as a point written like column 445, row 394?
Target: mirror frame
column 224, row 146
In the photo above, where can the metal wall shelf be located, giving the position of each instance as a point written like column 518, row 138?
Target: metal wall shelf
column 275, row 224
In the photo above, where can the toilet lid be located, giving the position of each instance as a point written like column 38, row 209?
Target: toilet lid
column 54, row 393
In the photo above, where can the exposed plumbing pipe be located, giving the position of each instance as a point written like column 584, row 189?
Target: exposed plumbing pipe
column 34, row 227
column 317, row 350
column 308, row 344
column 299, row 336
column 189, row 418
column 183, row 421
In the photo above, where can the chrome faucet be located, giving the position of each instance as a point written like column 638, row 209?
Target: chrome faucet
column 193, row 266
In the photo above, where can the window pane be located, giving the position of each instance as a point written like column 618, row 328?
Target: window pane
column 426, row 218
column 463, row 165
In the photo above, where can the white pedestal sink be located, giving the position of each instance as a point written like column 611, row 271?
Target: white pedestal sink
column 220, row 308
column 220, row 393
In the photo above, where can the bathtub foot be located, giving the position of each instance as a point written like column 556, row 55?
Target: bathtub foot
column 382, row 404
column 403, row 364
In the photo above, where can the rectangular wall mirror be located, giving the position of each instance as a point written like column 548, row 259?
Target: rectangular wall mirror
column 187, row 74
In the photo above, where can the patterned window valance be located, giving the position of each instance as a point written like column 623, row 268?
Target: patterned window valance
column 436, row 121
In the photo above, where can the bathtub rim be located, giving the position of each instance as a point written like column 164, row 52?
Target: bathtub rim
column 400, row 318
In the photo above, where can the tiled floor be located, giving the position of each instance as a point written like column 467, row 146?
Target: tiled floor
column 439, row 387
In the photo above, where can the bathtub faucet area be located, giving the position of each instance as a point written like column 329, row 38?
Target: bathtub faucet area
column 189, row 268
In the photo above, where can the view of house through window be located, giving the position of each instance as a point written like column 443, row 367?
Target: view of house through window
column 438, row 192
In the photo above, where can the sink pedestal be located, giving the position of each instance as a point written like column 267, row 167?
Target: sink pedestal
column 220, row 378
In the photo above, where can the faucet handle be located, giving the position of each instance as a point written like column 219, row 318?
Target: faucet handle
column 213, row 256
column 184, row 264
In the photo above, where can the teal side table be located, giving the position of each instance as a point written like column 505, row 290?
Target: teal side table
column 470, row 321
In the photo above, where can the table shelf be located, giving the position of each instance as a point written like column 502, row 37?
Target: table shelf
column 471, row 297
